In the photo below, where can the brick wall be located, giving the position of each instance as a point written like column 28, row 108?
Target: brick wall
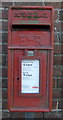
column 58, row 58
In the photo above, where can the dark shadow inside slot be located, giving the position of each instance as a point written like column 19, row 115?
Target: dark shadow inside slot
column 31, row 27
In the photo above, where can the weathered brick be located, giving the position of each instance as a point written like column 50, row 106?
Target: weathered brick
column 56, row 93
column 58, row 49
column 0, row 49
column 4, row 72
column 0, row 25
column 0, row 37
column 0, row 60
column 17, row 115
column 4, row 38
column 57, row 60
column 61, row 37
column 0, row 95
column 56, row 15
column 0, row 4
column 54, row 82
column 58, row 26
column 62, row 26
column 61, row 15
column 62, row 93
column 5, row 114
column 4, row 94
column 0, row 82
column 0, row 72
column 4, row 60
column 4, row 14
column 5, row 26
column 62, row 4
column 4, row 49
column 38, row 115
column 0, row 115
column 29, row 3
column 53, row 4
column 54, row 104
column 6, row 4
column 60, row 105
column 53, row 114
column 59, row 83
column 4, row 104
column 57, row 37
column 0, row 14
column 57, row 71
column 4, row 83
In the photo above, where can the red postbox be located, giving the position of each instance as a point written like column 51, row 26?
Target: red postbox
column 30, row 58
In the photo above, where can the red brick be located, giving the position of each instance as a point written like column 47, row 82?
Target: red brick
column 57, row 93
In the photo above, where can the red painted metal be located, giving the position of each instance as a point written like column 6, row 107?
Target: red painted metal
column 30, row 28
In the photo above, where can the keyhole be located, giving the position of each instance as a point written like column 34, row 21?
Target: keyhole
column 17, row 78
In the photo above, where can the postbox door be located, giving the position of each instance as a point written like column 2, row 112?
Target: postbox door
column 33, row 77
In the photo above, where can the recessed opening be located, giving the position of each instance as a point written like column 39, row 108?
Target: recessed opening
column 30, row 27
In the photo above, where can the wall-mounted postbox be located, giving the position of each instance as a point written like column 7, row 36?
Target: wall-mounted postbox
column 30, row 58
